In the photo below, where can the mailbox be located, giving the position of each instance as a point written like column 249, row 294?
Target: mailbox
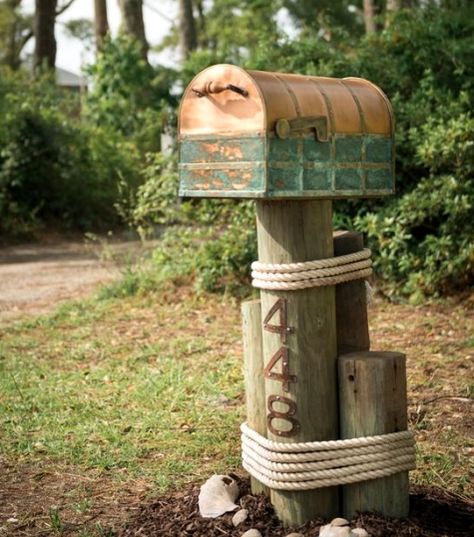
column 255, row 134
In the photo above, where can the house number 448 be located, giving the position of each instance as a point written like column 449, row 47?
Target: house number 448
column 282, row 357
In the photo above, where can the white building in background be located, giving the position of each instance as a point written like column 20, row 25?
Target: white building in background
column 69, row 80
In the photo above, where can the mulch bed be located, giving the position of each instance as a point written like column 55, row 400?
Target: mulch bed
column 433, row 513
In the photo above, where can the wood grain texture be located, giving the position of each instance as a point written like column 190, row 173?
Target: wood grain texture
column 351, row 300
column 253, row 376
column 291, row 231
column 372, row 400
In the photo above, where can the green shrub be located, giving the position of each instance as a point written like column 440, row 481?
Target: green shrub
column 213, row 240
column 216, row 257
column 223, row 262
column 423, row 241
column 156, row 200
column 53, row 167
column 128, row 95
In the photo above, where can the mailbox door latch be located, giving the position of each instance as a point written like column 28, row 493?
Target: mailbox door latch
column 285, row 127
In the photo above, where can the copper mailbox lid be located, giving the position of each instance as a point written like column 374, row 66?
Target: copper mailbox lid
column 253, row 134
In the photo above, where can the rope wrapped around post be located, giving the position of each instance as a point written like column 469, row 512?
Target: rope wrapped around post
column 312, row 465
column 294, row 276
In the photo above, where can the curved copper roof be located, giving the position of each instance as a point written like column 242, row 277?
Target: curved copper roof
column 352, row 105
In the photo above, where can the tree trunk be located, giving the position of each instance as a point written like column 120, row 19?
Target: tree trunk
column 187, row 28
column 11, row 56
column 203, row 41
column 10, row 38
column 45, row 41
column 132, row 22
column 101, row 23
column 369, row 16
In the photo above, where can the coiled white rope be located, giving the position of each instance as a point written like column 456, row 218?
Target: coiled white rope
column 311, row 465
column 293, row 276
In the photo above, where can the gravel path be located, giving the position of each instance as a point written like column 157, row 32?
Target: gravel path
column 34, row 278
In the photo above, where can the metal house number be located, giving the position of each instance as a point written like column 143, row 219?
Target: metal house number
column 284, row 376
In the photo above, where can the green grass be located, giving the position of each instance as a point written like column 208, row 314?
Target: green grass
column 94, row 387
column 448, row 469
column 112, row 398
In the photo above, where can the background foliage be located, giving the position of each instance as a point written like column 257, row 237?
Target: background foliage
column 53, row 167
column 423, row 238
column 96, row 161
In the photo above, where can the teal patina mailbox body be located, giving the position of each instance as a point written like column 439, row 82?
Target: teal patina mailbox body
column 253, row 134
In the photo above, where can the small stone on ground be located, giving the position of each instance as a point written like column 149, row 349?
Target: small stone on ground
column 252, row 533
column 240, row 517
column 359, row 532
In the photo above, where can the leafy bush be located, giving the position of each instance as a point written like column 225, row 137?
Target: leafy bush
column 128, row 95
column 424, row 241
column 53, row 167
column 223, row 262
column 213, row 240
column 423, row 238
column 156, row 199
column 217, row 258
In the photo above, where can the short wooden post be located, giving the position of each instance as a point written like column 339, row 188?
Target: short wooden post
column 253, row 375
column 299, row 346
column 372, row 401
column 351, row 300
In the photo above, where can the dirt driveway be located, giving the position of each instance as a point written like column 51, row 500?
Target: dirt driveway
column 36, row 277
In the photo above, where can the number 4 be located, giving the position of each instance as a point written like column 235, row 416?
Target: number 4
column 283, row 329
column 284, row 376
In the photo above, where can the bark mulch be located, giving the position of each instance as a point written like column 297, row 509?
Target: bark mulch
column 433, row 513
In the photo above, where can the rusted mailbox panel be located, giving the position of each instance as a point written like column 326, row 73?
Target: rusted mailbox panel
column 253, row 134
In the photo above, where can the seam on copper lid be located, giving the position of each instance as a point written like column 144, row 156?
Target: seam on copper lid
column 327, row 102
column 291, row 93
column 363, row 124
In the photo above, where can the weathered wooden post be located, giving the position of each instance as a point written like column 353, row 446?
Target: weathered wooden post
column 352, row 335
column 293, row 143
column 299, row 344
column 253, row 373
column 351, row 300
column 373, row 401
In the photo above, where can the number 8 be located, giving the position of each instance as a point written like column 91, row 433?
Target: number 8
column 287, row 416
